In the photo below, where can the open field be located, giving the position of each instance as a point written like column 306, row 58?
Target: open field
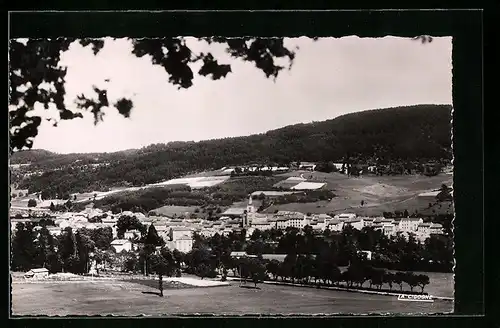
column 177, row 210
column 379, row 194
column 208, row 174
column 130, row 299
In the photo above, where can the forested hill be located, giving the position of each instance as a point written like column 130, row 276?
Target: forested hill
column 413, row 133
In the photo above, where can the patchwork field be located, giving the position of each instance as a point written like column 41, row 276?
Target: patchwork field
column 195, row 182
column 131, row 299
column 367, row 195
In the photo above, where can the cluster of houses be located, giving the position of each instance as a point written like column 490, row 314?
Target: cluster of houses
column 178, row 232
column 252, row 220
column 254, row 168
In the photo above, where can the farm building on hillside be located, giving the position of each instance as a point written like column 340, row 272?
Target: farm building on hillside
column 345, row 216
column 307, row 166
column 37, row 273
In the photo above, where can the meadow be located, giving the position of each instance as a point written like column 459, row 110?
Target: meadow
column 372, row 195
column 131, row 299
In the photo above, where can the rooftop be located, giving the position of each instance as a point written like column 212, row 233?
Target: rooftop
column 38, row 270
column 234, row 211
column 120, row 242
column 410, row 219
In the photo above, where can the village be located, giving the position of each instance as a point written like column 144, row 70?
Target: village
column 177, row 232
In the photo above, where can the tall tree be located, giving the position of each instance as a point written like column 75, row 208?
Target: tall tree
column 69, row 251
column 85, row 246
column 23, row 248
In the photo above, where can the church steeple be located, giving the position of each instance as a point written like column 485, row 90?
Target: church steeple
column 250, row 209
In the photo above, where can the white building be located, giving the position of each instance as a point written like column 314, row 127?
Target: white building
column 436, row 228
column 368, row 254
column 389, row 229
column 132, row 234
column 345, row 216
column 335, row 225
column 368, row 222
column 282, row 223
column 355, row 223
column 55, row 231
column 180, row 238
column 322, row 220
column 180, row 231
column 122, row 245
column 183, row 244
column 298, row 222
column 423, row 231
column 307, row 166
column 37, row 273
column 409, row 224
column 261, row 222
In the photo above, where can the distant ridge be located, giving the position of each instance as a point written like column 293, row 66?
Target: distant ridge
column 412, row 133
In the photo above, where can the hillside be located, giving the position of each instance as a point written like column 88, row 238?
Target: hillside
column 414, row 133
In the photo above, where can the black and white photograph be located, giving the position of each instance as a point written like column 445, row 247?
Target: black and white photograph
column 231, row 176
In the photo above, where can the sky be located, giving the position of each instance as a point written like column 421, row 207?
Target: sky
column 329, row 77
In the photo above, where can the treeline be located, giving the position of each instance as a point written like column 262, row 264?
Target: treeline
column 356, row 164
column 315, row 258
column 415, row 133
column 74, row 251
column 147, row 199
column 341, row 248
column 68, row 252
column 225, row 194
column 306, row 269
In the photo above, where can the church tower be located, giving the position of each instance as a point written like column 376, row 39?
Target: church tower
column 250, row 208
column 247, row 218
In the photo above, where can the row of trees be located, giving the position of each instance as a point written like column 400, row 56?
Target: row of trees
column 395, row 252
column 206, row 259
column 34, row 246
column 308, row 269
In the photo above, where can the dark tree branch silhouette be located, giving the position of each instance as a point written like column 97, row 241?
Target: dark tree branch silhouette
column 34, row 65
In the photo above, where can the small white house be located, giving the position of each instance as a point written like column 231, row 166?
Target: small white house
column 345, row 216
column 368, row 254
column 389, row 229
column 37, row 273
column 436, row 228
column 130, row 234
column 355, row 223
column 183, row 244
column 122, row 245
column 335, row 225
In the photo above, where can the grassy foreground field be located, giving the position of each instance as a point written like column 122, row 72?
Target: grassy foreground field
column 131, row 299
